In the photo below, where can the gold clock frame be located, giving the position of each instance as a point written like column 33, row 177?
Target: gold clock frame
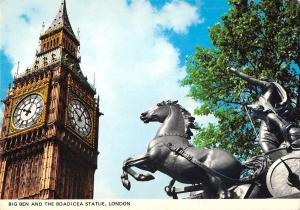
column 43, row 92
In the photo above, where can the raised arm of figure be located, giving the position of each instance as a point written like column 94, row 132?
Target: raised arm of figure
column 249, row 79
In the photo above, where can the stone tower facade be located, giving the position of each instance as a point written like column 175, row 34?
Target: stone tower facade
column 49, row 137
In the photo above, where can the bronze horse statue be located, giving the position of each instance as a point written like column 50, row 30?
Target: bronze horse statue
column 213, row 171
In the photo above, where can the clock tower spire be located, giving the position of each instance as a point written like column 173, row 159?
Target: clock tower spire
column 59, row 34
column 49, row 137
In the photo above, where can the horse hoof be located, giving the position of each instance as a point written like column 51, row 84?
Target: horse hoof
column 149, row 177
column 126, row 184
column 170, row 191
column 146, row 177
column 125, row 161
column 223, row 195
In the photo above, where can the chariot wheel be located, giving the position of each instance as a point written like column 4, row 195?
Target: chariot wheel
column 283, row 177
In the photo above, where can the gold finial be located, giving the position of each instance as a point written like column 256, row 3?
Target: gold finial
column 43, row 27
column 18, row 67
column 94, row 79
column 78, row 34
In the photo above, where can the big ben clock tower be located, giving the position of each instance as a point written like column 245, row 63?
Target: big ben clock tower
column 49, row 138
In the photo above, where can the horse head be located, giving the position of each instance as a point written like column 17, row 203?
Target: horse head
column 163, row 109
column 157, row 113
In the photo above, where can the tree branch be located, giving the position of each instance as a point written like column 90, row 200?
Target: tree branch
column 235, row 102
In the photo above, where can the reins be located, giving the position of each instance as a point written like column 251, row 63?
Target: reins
column 180, row 151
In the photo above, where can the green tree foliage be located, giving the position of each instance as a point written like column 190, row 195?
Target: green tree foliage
column 260, row 38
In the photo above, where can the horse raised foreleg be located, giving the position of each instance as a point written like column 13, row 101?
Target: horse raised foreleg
column 139, row 163
column 125, row 180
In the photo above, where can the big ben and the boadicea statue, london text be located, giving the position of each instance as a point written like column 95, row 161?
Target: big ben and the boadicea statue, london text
column 49, row 138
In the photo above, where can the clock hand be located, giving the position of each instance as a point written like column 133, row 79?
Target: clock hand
column 29, row 109
column 81, row 116
column 77, row 113
column 27, row 112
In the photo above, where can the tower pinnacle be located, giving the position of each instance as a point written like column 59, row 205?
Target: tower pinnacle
column 61, row 21
column 59, row 34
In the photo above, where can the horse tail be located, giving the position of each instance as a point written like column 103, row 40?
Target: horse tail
column 253, row 169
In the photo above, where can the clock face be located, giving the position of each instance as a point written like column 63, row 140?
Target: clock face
column 28, row 111
column 79, row 118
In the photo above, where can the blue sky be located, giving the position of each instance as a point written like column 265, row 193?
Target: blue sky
column 137, row 50
column 5, row 73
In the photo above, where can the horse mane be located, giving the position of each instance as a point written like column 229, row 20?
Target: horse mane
column 189, row 120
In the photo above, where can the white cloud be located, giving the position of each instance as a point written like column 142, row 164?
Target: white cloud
column 178, row 16
column 136, row 65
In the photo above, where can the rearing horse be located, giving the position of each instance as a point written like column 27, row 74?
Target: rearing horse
column 171, row 153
